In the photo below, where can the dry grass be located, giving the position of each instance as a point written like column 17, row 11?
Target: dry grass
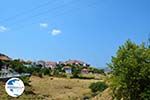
column 61, row 88
column 105, row 95
column 52, row 88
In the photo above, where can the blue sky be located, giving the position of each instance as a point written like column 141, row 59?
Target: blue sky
column 55, row 30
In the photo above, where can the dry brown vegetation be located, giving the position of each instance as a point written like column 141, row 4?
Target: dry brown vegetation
column 105, row 95
column 53, row 88
column 61, row 88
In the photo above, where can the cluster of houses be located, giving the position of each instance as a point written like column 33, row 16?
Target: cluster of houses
column 52, row 65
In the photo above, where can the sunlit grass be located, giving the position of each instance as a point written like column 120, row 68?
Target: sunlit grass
column 61, row 88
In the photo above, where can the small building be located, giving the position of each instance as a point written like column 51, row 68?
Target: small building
column 67, row 69
column 51, row 64
column 84, row 71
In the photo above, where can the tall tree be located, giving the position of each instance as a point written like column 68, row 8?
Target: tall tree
column 131, row 72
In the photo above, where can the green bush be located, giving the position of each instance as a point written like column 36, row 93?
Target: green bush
column 98, row 86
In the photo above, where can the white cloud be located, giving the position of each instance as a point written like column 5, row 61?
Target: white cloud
column 55, row 32
column 3, row 29
column 44, row 25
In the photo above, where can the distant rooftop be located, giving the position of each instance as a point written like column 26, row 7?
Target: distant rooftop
column 4, row 57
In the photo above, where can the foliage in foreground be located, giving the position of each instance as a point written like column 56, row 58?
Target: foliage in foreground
column 131, row 72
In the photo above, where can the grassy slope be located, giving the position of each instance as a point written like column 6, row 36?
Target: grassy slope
column 49, row 88
column 61, row 88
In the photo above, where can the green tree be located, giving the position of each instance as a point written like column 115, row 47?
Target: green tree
column 131, row 72
column 76, row 70
column 46, row 71
column 17, row 66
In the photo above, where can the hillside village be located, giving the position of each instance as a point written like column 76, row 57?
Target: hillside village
column 53, row 65
column 64, row 75
column 61, row 68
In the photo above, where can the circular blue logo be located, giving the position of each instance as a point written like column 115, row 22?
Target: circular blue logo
column 14, row 87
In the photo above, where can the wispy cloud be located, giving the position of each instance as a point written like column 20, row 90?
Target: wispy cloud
column 44, row 25
column 55, row 32
column 3, row 29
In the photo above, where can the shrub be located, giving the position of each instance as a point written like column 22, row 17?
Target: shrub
column 40, row 74
column 98, row 86
column 75, row 71
column 25, row 80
